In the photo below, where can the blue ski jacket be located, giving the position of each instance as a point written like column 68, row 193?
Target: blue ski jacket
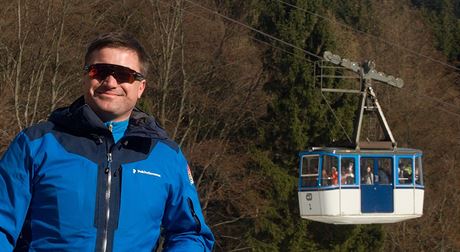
column 69, row 187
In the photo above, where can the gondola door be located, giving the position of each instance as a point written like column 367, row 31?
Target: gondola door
column 376, row 178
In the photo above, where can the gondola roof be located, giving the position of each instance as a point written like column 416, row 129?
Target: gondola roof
column 341, row 150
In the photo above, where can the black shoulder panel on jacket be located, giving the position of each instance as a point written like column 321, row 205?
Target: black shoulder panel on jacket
column 39, row 130
column 134, row 149
column 83, row 146
column 90, row 147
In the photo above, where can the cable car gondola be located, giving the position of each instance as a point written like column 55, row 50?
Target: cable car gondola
column 369, row 182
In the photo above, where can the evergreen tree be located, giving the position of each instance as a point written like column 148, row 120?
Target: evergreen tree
column 295, row 117
column 444, row 17
column 356, row 13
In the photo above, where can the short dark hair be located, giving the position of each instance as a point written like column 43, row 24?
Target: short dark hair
column 118, row 40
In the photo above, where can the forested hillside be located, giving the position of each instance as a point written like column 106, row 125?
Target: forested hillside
column 232, row 82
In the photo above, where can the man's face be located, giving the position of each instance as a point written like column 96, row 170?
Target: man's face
column 113, row 101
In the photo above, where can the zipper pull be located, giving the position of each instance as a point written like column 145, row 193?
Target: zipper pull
column 110, row 126
column 109, row 163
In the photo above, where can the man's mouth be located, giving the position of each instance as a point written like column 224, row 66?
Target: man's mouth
column 110, row 93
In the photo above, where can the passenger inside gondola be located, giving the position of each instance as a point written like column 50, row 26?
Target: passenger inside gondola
column 347, row 172
column 335, row 176
column 384, row 171
column 405, row 171
column 367, row 177
column 349, row 175
column 382, row 178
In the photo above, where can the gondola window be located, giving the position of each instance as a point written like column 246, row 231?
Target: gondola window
column 309, row 175
column 405, row 171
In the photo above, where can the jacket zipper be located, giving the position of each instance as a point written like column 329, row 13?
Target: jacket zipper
column 108, row 172
column 107, row 201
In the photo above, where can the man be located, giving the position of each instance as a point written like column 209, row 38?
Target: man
column 100, row 175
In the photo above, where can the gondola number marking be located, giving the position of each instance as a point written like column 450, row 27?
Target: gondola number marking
column 309, row 197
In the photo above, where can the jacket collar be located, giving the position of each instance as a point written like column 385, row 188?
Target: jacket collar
column 81, row 119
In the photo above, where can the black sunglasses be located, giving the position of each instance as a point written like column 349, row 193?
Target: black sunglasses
column 120, row 73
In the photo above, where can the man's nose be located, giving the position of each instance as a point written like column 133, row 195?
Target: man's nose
column 110, row 81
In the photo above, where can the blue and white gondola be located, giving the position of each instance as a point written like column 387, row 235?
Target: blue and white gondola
column 331, row 192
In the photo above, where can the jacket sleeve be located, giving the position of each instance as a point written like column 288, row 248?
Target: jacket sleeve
column 14, row 191
column 183, row 223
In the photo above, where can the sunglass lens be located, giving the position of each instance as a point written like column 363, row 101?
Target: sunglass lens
column 101, row 72
column 93, row 73
column 122, row 76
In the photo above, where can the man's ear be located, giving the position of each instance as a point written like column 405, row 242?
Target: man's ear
column 141, row 89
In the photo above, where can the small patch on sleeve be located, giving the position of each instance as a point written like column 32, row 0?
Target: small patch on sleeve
column 190, row 177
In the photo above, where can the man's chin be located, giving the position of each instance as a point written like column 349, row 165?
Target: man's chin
column 108, row 113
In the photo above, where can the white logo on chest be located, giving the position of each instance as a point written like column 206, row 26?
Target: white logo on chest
column 146, row 173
